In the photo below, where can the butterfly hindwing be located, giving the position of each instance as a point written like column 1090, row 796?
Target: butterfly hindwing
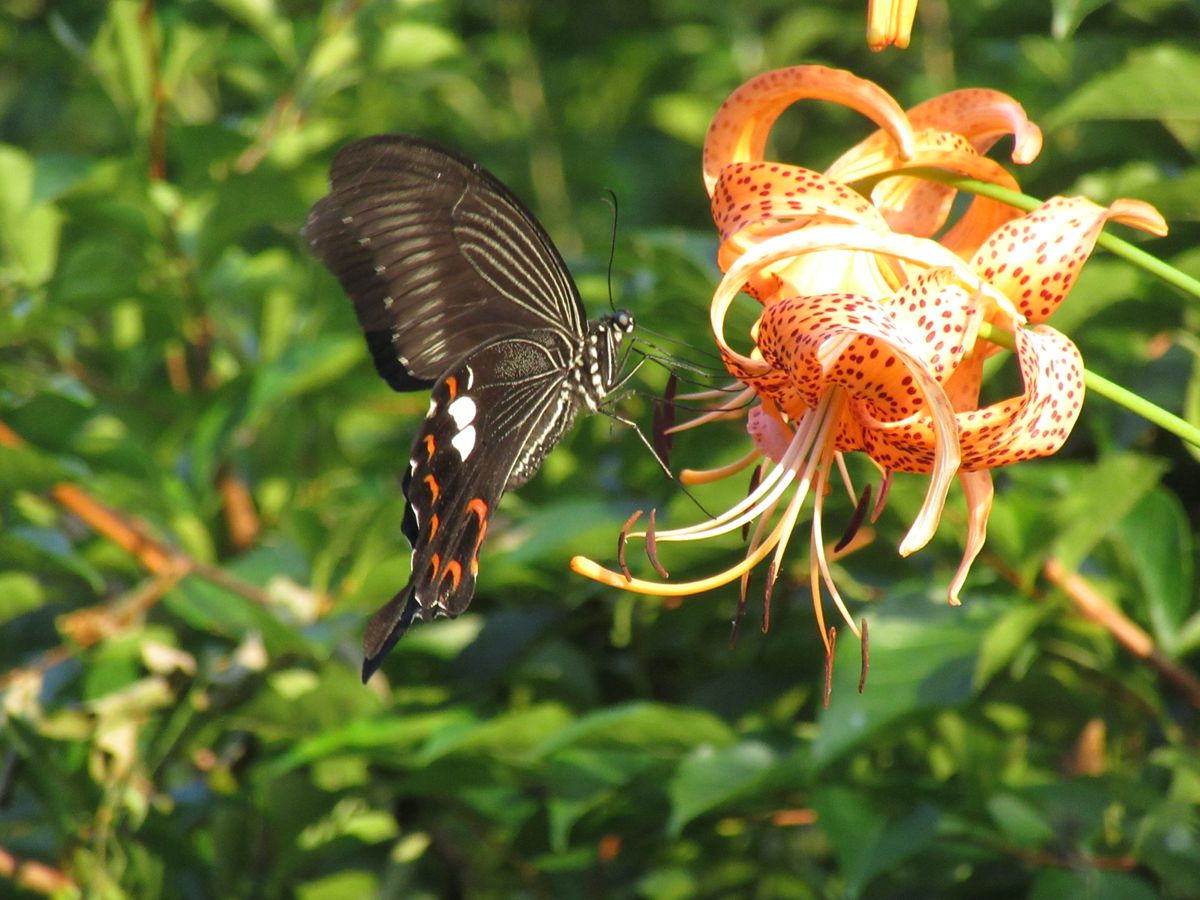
column 490, row 424
column 438, row 256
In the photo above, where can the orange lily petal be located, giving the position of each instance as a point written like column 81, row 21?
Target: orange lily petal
column 753, row 201
column 977, row 489
column 1036, row 423
column 920, row 207
column 738, row 132
column 983, row 116
column 750, row 194
column 918, row 251
column 1035, row 259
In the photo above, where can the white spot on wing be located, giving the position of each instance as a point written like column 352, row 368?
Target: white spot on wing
column 432, row 408
column 464, row 441
column 462, row 410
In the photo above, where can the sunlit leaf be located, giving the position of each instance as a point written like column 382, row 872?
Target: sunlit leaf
column 1157, row 536
column 710, row 776
column 922, row 656
column 868, row 841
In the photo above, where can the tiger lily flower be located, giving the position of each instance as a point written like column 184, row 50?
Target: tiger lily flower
column 869, row 335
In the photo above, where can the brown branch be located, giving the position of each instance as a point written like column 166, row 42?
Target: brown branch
column 89, row 626
column 158, row 115
column 35, row 876
column 155, row 556
column 241, row 518
column 1094, row 606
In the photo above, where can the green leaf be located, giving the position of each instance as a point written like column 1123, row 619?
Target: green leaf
column 217, row 610
column 412, row 46
column 20, row 593
column 339, row 884
column 580, row 780
column 121, row 56
column 29, row 230
column 385, row 737
column 24, row 468
column 1006, row 637
column 1020, row 821
column 711, row 776
column 1158, row 538
column 1092, row 510
column 272, row 25
column 516, row 734
column 1068, row 14
column 1090, row 884
column 1155, row 83
column 1160, row 82
column 868, row 841
column 923, row 656
column 656, row 726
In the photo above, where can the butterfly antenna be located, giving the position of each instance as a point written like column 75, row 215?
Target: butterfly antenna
column 612, row 245
column 716, row 357
column 674, row 365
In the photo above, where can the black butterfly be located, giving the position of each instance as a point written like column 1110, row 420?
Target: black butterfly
column 458, row 287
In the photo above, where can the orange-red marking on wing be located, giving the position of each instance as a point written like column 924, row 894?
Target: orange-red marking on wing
column 430, row 444
column 454, row 573
column 452, row 386
column 434, row 490
column 480, row 508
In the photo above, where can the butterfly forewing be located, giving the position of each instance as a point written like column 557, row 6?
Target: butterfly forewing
column 438, row 256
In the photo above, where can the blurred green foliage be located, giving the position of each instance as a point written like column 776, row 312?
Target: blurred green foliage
column 167, row 346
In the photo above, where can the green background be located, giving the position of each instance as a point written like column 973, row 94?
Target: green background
column 167, row 345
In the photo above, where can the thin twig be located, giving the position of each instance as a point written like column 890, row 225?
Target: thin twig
column 1094, row 606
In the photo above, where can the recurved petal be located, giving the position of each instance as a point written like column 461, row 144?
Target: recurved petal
column 827, row 341
column 978, row 492
column 791, row 247
column 1036, row 423
column 936, row 315
column 921, row 207
column 1034, row 260
column 767, row 197
column 738, row 132
column 1039, row 421
column 983, row 116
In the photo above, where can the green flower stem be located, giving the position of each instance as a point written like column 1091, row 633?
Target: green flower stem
column 1100, row 385
column 1127, row 251
column 1114, row 245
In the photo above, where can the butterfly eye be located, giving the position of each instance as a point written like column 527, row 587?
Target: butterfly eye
column 623, row 320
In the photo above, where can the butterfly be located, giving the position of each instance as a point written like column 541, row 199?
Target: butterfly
column 458, row 288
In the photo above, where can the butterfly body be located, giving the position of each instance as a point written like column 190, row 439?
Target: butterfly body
column 458, row 288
